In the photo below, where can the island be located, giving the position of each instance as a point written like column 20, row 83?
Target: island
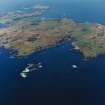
column 31, row 68
column 27, row 32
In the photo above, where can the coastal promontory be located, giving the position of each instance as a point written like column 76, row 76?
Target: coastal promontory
column 28, row 32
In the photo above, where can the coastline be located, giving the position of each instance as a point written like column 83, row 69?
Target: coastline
column 31, row 34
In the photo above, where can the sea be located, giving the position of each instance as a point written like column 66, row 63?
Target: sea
column 58, row 82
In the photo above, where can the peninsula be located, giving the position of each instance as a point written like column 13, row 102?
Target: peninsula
column 27, row 32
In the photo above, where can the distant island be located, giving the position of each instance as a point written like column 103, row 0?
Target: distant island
column 26, row 32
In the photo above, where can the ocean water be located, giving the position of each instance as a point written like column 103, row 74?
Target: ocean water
column 57, row 83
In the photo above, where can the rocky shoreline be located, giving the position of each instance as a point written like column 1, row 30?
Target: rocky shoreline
column 31, row 33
